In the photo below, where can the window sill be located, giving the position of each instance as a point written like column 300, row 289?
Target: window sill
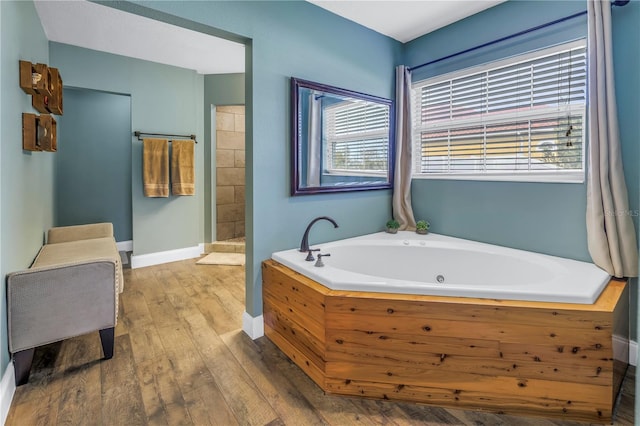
column 571, row 177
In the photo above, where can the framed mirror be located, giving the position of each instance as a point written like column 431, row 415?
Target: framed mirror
column 341, row 140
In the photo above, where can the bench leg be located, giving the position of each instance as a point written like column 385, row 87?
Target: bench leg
column 22, row 365
column 107, row 339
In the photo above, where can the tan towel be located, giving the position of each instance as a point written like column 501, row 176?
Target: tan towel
column 183, row 174
column 155, row 167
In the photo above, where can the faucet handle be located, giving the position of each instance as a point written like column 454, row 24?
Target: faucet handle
column 310, row 257
column 319, row 263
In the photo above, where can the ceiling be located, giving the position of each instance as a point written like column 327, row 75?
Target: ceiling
column 405, row 20
column 94, row 26
column 103, row 28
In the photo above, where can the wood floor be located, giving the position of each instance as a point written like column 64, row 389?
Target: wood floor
column 181, row 358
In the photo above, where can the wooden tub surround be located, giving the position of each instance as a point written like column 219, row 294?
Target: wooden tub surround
column 515, row 357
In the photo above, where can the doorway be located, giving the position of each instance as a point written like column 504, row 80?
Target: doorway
column 230, row 178
column 93, row 162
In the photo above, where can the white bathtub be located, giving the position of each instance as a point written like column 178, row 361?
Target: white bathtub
column 409, row 263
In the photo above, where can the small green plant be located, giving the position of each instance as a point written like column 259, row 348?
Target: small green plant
column 422, row 227
column 422, row 224
column 393, row 224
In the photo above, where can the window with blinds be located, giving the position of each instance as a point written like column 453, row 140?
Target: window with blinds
column 519, row 119
column 357, row 134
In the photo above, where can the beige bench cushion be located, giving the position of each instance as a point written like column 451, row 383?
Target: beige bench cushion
column 79, row 251
column 63, row 234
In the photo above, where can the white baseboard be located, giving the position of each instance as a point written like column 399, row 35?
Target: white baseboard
column 125, row 245
column 7, row 389
column 254, row 327
column 142, row 260
column 625, row 350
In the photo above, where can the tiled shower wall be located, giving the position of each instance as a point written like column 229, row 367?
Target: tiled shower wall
column 229, row 172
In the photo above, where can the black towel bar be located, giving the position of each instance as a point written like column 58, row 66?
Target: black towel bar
column 138, row 134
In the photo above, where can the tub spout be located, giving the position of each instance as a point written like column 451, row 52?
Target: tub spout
column 304, row 244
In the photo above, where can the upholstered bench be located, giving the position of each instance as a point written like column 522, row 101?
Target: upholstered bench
column 71, row 289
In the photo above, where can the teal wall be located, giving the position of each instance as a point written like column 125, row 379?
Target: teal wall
column 164, row 99
column 26, row 178
column 542, row 217
column 219, row 89
column 93, row 162
column 302, row 40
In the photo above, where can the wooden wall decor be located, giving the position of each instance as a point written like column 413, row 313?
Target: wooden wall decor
column 40, row 103
column 514, row 357
column 29, row 132
column 34, row 78
column 44, row 84
column 26, row 77
column 55, row 101
column 39, row 133
column 47, row 133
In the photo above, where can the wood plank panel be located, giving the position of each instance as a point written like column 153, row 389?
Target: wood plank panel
column 308, row 365
column 600, row 374
column 512, row 333
column 457, row 380
column 296, row 296
column 513, row 350
column 388, row 308
column 310, row 320
column 305, row 298
column 279, row 277
column 308, row 342
column 361, row 341
column 561, row 354
column 478, row 400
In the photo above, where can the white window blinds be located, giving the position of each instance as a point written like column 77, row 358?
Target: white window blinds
column 520, row 118
column 357, row 134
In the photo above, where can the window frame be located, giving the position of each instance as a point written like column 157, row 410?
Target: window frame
column 330, row 138
column 503, row 117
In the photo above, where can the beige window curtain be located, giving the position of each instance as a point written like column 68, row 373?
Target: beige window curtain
column 402, row 209
column 610, row 231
